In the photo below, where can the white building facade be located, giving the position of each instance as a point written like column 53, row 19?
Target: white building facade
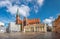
column 13, row 27
column 2, row 29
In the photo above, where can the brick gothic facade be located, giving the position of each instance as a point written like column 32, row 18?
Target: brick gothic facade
column 56, row 25
column 26, row 21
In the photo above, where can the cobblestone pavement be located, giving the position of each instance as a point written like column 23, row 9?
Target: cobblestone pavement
column 30, row 35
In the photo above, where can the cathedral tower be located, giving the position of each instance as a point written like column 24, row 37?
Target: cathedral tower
column 17, row 17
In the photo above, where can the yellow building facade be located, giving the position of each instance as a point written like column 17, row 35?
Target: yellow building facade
column 35, row 28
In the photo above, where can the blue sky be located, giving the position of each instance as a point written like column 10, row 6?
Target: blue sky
column 45, row 10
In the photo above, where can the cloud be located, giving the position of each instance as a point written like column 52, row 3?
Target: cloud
column 5, row 3
column 40, row 2
column 36, row 9
column 1, row 23
column 49, row 21
column 12, row 9
column 23, row 10
column 12, row 4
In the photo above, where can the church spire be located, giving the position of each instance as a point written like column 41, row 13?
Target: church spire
column 17, row 16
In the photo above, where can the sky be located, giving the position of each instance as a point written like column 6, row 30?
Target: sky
column 46, row 10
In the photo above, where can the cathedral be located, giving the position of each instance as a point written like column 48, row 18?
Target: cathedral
column 26, row 21
column 26, row 25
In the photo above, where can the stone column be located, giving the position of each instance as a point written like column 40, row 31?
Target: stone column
column 45, row 27
column 34, row 28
